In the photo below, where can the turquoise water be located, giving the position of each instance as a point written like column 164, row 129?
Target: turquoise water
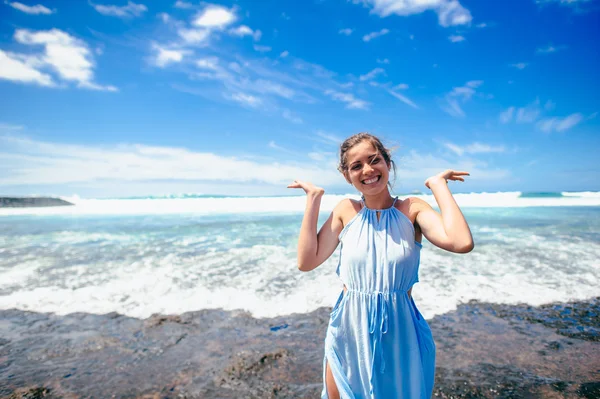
column 175, row 262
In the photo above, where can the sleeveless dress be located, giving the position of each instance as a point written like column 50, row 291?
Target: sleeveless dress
column 378, row 345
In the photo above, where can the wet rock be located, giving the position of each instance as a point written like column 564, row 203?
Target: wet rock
column 30, row 202
column 483, row 351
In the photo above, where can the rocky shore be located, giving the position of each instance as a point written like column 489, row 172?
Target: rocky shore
column 30, row 202
column 483, row 351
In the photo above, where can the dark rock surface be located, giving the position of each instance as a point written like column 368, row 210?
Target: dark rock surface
column 31, row 202
column 483, row 351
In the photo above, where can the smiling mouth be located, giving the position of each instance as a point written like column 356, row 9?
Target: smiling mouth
column 371, row 180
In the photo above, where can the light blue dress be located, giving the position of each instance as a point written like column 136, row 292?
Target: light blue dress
column 378, row 345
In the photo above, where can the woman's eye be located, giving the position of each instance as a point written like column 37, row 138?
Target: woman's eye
column 375, row 160
column 355, row 167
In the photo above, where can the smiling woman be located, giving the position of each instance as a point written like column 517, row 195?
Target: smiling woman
column 378, row 345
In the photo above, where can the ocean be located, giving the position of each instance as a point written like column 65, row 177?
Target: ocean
column 172, row 254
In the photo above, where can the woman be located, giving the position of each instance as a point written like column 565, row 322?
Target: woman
column 377, row 344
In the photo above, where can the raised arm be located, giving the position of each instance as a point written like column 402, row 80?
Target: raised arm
column 449, row 230
column 314, row 248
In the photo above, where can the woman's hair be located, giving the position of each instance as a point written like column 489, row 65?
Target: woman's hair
column 357, row 139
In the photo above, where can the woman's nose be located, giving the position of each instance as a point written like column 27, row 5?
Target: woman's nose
column 367, row 168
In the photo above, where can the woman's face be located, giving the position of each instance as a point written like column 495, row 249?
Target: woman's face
column 367, row 170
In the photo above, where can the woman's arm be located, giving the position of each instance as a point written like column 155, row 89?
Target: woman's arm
column 313, row 248
column 449, row 230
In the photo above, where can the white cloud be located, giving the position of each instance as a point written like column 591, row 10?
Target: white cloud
column 247, row 99
column 451, row 104
column 287, row 114
column 456, row 38
column 28, row 162
column 211, row 63
column 383, row 61
column 529, row 113
column 549, row 49
column 129, row 11
column 66, row 55
column 481, row 25
column 348, row 98
column 372, row 74
column 35, row 10
column 262, row 49
column 506, row 116
column 403, row 98
column 284, row 54
column 194, row 36
column 401, row 86
column 244, row 30
column 16, row 68
column 417, row 167
column 559, row 124
column 165, row 56
column 214, row 17
column 183, row 5
column 519, row 65
column 329, row 138
column 450, row 12
column 474, row 148
column 374, row 35
column 346, row 31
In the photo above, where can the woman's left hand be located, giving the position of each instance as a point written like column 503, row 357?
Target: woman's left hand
column 445, row 176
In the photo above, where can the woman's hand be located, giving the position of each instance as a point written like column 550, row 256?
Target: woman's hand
column 444, row 177
column 309, row 188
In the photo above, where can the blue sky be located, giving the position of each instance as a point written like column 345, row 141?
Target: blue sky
column 240, row 97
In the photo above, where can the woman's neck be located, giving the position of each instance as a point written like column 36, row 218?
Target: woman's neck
column 382, row 200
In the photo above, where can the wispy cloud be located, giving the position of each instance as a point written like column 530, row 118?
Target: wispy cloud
column 131, row 10
column 403, row 98
column 165, row 56
column 28, row 162
column 507, row 116
column 346, row 31
column 261, row 48
column 450, row 12
column 529, row 113
column 456, row 38
column 34, row 10
column 348, row 98
column 383, row 61
column 290, row 116
column 374, row 35
column 559, row 124
column 462, row 94
column 68, row 56
column 284, row 54
column 519, row 65
column 549, row 49
column 474, row 148
column 183, row 5
column 416, row 167
column 329, row 138
column 372, row 74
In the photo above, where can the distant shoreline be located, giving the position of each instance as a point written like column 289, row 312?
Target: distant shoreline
column 31, row 202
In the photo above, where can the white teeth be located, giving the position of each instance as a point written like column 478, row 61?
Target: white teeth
column 370, row 181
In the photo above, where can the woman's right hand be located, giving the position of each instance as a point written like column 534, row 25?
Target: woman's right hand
column 309, row 188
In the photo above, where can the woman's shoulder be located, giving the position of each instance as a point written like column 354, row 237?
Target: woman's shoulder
column 411, row 206
column 346, row 209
